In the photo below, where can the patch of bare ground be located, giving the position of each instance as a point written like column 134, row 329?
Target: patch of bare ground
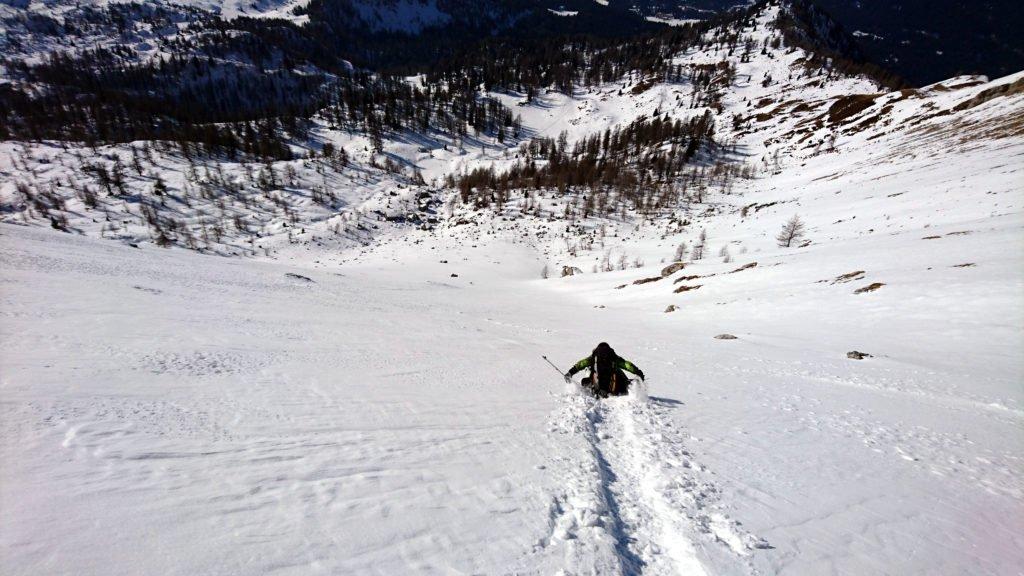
column 644, row 86
column 646, row 280
column 964, row 131
column 686, row 278
column 744, row 267
column 687, row 288
column 991, row 94
column 951, row 87
column 802, row 107
column 869, row 288
column 870, row 120
column 846, row 107
column 844, row 278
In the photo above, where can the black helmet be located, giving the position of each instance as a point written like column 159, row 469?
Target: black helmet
column 603, row 353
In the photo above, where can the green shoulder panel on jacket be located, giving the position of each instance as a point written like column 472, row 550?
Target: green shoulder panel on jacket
column 628, row 366
column 581, row 365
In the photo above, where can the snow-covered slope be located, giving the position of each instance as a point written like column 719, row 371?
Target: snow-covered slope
column 364, row 391
column 286, row 435
column 283, row 9
column 393, row 415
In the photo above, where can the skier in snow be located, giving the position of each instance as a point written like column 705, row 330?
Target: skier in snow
column 606, row 377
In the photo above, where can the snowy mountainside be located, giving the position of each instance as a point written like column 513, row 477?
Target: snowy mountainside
column 764, row 97
column 363, row 390
column 855, row 397
column 228, row 208
column 370, row 31
column 926, row 42
column 70, row 13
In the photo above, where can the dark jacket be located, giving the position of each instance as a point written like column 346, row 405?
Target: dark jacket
column 610, row 380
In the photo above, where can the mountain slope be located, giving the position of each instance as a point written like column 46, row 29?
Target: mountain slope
column 322, row 354
column 929, row 41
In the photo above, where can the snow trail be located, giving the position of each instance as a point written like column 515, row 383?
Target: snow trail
column 637, row 496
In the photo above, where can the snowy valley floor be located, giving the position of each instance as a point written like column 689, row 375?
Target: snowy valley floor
column 165, row 412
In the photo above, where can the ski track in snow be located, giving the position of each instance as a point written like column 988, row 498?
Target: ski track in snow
column 637, row 503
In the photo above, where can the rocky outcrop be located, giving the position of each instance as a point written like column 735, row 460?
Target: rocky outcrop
column 672, row 269
column 570, row 271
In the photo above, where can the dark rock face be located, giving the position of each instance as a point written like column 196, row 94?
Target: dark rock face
column 726, row 337
column 855, row 355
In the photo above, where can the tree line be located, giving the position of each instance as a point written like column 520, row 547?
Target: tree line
column 625, row 159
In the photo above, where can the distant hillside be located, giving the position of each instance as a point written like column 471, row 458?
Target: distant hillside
column 922, row 41
column 927, row 41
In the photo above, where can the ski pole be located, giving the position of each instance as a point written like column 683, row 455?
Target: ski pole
column 560, row 373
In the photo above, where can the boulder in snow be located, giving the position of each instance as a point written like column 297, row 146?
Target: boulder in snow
column 570, row 271
column 672, row 269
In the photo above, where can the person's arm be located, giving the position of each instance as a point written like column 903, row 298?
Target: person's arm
column 628, row 366
column 581, row 365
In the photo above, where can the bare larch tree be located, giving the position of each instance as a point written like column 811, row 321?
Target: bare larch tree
column 791, row 231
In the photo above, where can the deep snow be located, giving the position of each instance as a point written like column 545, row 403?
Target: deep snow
column 321, row 407
column 176, row 413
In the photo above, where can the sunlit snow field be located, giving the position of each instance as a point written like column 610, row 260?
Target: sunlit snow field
column 377, row 403
column 167, row 412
